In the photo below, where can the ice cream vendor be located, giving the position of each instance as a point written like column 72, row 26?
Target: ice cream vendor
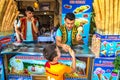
column 27, row 27
column 68, row 34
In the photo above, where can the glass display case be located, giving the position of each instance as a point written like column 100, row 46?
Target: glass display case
column 27, row 60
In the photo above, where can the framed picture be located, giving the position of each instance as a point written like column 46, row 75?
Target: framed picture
column 45, row 6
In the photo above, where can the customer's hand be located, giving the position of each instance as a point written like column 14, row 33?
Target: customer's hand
column 72, row 53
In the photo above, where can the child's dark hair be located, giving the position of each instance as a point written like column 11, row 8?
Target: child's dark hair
column 49, row 52
column 70, row 16
column 29, row 8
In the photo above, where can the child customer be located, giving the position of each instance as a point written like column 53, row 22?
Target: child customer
column 54, row 69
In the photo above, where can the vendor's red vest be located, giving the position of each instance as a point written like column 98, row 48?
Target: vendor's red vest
column 23, row 28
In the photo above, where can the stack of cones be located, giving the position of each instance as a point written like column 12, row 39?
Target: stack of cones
column 8, row 14
column 107, row 16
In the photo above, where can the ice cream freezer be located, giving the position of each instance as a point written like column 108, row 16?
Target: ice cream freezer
column 26, row 62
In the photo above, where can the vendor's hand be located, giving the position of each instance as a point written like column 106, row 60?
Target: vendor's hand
column 22, row 36
column 65, row 47
column 32, row 19
column 78, row 37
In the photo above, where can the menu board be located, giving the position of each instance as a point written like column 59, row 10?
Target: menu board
column 110, row 46
column 82, row 10
column 106, row 45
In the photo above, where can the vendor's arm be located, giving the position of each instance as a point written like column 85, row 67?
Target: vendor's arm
column 17, row 29
column 59, row 41
column 78, row 37
column 35, row 26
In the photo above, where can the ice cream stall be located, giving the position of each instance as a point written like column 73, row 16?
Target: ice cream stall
column 26, row 61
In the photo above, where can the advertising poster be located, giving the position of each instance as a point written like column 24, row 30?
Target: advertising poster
column 104, row 69
column 19, row 77
column 82, row 10
column 106, row 45
column 4, row 40
column 24, row 64
column 1, row 69
column 109, row 45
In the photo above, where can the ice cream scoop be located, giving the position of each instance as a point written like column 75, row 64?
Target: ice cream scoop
column 99, row 72
column 80, row 29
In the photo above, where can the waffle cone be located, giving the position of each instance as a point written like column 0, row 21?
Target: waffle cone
column 99, row 76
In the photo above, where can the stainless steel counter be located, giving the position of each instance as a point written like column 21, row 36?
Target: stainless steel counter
column 36, row 49
column 31, row 52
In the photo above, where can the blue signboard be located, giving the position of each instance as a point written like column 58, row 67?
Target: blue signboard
column 110, row 45
column 4, row 40
column 104, row 69
column 71, row 5
column 19, row 77
column 82, row 10
column 1, row 69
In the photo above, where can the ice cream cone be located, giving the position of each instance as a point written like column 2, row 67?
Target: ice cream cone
column 80, row 29
column 99, row 71
column 99, row 76
column 104, row 52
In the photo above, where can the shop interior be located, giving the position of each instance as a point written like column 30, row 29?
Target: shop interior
column 46, row 11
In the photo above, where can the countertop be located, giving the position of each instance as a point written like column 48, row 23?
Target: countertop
column 36, row 49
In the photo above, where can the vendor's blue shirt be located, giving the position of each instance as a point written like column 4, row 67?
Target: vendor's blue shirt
column 69, row 38
column 29, row 36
